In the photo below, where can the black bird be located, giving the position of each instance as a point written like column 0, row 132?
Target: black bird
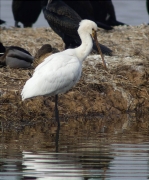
column 26, row 12
column 104, row 12
column 15, row 57
column 2, row 22
column 85, row 10
column 147, row 5
column 65, row 22
column 86, row 13
column 2, row 49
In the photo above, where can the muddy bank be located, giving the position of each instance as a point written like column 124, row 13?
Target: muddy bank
column 124, row 88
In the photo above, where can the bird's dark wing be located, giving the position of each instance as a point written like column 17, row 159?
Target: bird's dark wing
column 18, row 48
column 85, row 11
column 104, row 26
column 147, row 5
column 2, row 22
column 2, row 48
column 82, row 8
column 105, row 50
column 26, row 12
column 63, row 20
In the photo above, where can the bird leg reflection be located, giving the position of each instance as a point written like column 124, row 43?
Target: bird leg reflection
column 57, row 139
column 56, row 110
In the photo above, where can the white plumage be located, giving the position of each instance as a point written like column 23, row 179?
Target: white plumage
column 57, row 74
column 60, row 71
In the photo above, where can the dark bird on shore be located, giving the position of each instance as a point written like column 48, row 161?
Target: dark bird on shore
column 104, row 12
column 45, row 51
column 2, row 22
column 16, row 57
column 25, row 12
column 65, row 21
column 2, row 49
column 147, row 7
column 85, row 10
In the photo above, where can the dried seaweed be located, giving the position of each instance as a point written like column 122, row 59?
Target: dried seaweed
column 124, row 88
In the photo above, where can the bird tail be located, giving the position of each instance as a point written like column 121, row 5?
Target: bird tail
column 29, row 90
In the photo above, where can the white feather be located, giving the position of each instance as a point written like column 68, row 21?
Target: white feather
column 60, row 71
column 55, row 75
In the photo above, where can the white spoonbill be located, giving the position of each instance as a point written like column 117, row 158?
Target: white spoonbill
column 61, row 71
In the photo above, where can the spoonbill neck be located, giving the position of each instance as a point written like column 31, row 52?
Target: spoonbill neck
column 86, row 46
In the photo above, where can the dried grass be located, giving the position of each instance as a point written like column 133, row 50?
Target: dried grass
column 124, row 88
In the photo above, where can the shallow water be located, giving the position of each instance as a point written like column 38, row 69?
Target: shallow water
column 77, row 151
column 82, row 150
column 132, row 12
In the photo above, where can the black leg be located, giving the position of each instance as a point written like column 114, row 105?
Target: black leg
column 56, row 110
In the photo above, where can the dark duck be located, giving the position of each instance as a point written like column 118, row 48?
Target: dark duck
column 15, row 57
column 65, row 21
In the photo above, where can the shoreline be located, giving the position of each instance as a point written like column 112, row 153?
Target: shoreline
column 124, row 88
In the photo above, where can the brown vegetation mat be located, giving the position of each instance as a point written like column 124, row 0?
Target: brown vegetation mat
column 124, row 88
